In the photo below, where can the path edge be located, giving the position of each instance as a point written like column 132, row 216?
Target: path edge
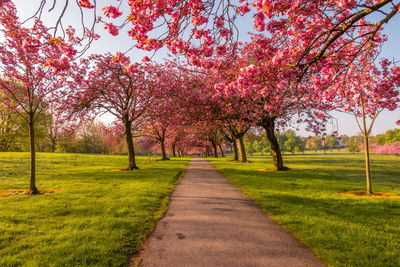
column 136, row 257
column 257, row 206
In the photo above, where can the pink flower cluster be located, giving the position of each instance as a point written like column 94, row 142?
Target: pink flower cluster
column 391, row 149
column 111, row 29
column 112, row 12
column 85, row 4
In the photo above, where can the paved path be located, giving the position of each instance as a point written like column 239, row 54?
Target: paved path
column 210, row 222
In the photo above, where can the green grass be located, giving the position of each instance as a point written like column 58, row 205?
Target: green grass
column 342, row 231
column 99, row 218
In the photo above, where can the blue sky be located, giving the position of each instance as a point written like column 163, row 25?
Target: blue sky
column 122, row 42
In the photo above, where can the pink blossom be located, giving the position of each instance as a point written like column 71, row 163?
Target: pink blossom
column 111, row 29
column 112, row 12
column 85, row 4
column 244, row 8
column 120, row 58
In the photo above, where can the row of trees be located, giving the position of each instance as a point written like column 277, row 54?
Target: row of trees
column 290, row 142
column 314, row 59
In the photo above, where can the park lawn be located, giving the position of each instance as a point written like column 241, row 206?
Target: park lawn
column 99, row 218
column 341, row 230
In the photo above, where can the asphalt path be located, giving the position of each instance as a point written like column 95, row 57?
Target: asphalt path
column 210, row 222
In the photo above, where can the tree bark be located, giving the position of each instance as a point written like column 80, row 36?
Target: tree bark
column 366, row 151
column 222, row 151
column 215, row 150
column 53, row 145
column 235, row 150
column 269, row 126
column 131, row 148
column 173, row 145
column 163, row 152
column 242, row 150
column 32, row 188
column 367, row 168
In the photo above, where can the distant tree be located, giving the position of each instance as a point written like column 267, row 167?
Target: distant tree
column 392, row 136
column 331, row 142
column 266, row 150
column 353, row 144
column 281, row 137
column 344, row 139
column 250, row 139
column 314, row 143
column 380, row 139
column 11, row 130
column 293, row 142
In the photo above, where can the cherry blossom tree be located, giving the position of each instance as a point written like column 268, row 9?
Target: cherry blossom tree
column 106, row 83
column 364, row 92
column 262, row 89
column 166, row 110
column 318, row 26
column 387, row 149
column 32, row 67
column 178, row 133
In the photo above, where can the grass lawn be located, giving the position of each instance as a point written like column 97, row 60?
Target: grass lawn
column 99, row 218
column 342, row 231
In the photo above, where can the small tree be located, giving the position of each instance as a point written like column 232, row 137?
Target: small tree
column 293, row 142
column 32, row 64
column 364, row 92
column 353, row 144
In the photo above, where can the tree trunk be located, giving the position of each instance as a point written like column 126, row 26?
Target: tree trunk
column 53, row 145
column 367, row 169
column 131, row 148
column 366, row 150
column 269, row 127
column 222, row 151
column 242, row 150
column 32, row 188
column 173, row 149
column 163, row 152
column 215, row 149
column 235, row 150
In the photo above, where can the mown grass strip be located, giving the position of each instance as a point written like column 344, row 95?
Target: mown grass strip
column 99, row 217
column 342, row 230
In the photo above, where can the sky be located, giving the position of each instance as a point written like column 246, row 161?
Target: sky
column 107, row 43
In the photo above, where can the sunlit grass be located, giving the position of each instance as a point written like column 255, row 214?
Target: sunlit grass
column 342, row 230
column 99, row 218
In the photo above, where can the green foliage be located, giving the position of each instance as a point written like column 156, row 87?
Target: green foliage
column 389, row 137
column 288, row 141
column 99, row 218
column 314, row 143
column 342, row 231
column 331, row 142
column 380, row 139
column 14, row 131
column 293, row 142
column 344, row 139
column 354, row 143
column 281, row 140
